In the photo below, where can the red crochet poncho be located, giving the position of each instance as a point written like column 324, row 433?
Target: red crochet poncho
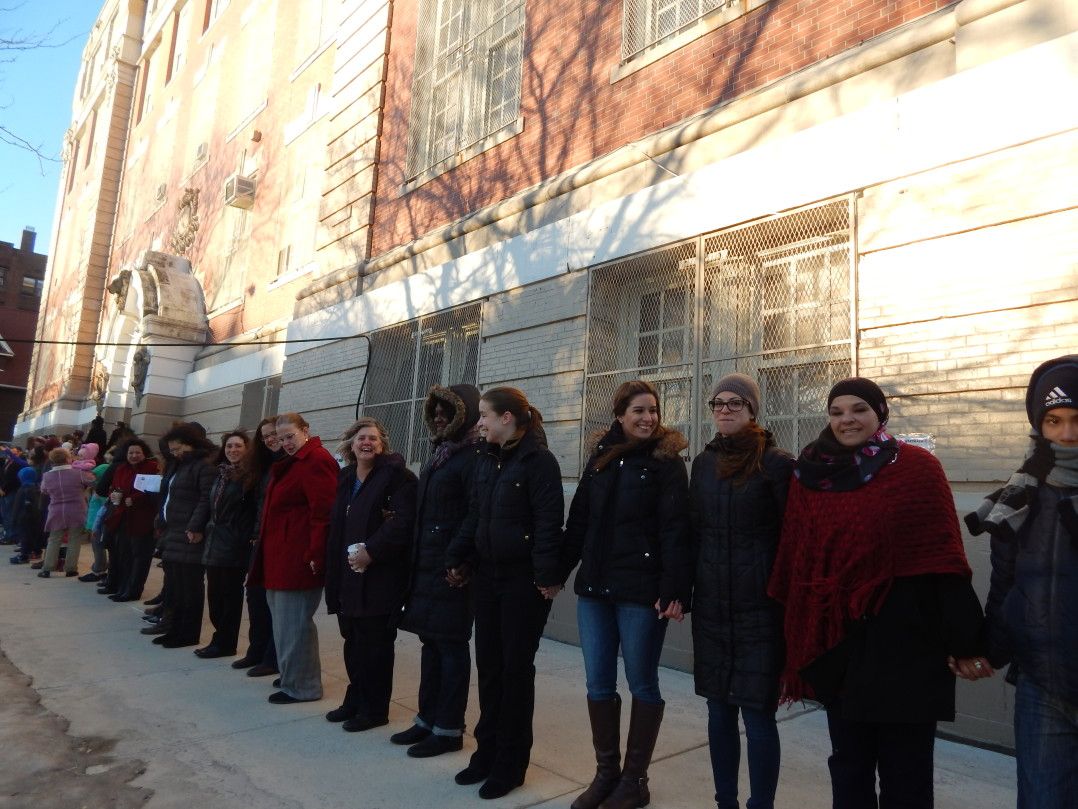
column 840, row 551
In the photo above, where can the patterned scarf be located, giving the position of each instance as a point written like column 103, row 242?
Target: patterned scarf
column 1006, row 510
column 827, row 466
column 444, row 448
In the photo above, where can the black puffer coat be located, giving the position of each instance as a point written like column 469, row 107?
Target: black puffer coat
column 434, row 609
column 230, row 531
column 737, row 628
column 515, row 514
column 628, row 523
column 382, row 515
column 186, row 506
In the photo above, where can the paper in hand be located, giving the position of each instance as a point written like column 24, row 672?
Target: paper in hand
column 148, row 483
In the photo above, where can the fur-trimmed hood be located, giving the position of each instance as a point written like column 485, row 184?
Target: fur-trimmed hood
column 665, row 444
column 463, row 400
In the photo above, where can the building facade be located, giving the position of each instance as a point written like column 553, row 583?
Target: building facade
column 22, row 275
column 329, row 211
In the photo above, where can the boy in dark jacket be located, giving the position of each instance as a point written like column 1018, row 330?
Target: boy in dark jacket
column 26, row 516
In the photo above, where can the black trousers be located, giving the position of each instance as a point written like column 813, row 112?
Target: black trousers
column 140, row 556
column 120, row 562
column 445, row 669
column 187, row 594
column 224, row 594
column 260, row 628
column 509, row 618
column 368, row 659
column 902, row 753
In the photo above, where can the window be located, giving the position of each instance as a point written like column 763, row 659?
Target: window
column 645, row 22
column 90, row 137
column 213, row 11
column 146, row 104
column 72, row 167
column 405, row 360
column 181, row 31
column 32, row 286
column 3, row 278
column 259, row 401
column 466, row 84
column 770, row 298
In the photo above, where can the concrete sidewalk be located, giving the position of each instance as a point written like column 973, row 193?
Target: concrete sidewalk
column 208, row 737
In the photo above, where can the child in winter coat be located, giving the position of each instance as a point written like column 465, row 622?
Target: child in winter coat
column 86, row 459
column 26, row 516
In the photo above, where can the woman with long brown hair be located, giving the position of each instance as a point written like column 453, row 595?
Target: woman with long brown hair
column 737, row 499
column 510, row 548
column 628, row 524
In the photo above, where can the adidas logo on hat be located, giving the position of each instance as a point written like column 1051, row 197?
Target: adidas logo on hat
column 1057, row 397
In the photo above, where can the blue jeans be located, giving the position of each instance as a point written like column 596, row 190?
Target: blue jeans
column 1046, row 748
column 606, row 625
column 724, row 739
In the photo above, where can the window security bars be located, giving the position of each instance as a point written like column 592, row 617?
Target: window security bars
column 466, row 84
column 259, row 401
column 645, row 22
column 406, row 359
column 771, row 298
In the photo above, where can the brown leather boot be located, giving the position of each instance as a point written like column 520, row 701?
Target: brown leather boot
column 605, row 717
column 632, row 790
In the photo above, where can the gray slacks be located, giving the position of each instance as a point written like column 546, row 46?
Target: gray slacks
column 296, row 638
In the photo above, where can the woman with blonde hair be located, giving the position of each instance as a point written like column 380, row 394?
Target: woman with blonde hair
column 367, row 548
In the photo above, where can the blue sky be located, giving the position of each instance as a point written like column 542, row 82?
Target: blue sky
column 36, row 88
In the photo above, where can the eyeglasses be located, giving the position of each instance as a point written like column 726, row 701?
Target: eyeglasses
column 733, row 405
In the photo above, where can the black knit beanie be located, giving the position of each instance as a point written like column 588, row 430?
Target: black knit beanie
column 864, row 389
column 1053, row 384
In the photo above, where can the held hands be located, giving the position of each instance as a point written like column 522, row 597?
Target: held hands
column 549, row 592
column 194, row 537
column 673, row 611
column 360, row 560
column 970, row 668
column 458, row 576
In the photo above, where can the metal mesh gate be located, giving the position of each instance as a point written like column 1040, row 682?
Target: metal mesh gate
column 466, row 83
column 645, row 22
column 406, row 359
column 770, row 299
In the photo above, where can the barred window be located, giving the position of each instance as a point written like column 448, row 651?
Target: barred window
column 259, row 401
column 646, row 22
column 466, row 84
column 770, row 298
column 406, row 359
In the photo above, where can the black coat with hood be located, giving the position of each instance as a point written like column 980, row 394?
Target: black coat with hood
column 628, row 523
column 737, row 628
column 382, row 515
column 515, row 514
column 230, row 532
column 186, row 505
column 434, row 609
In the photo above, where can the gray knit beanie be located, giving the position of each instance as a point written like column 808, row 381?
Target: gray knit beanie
column 744, row 386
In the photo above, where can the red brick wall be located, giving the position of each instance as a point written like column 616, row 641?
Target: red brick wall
column 572, row 112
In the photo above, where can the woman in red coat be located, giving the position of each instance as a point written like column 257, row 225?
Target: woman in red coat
column 291, row 554
column 131, row 519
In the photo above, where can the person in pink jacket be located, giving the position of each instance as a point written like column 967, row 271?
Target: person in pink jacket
column 66, row 487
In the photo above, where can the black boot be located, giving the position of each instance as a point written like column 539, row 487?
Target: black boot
column 605, row 719
column 632, row 790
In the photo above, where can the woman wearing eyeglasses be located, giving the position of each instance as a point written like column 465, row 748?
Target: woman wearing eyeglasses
column 737, row 498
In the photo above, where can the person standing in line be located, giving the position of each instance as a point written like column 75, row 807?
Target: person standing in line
column 290, row 558
column 185, row 512
column 228, row 545
column 28, row 520
column 628, row 525
column 100, row 567
column 367, row 568
column 738, row 495
column 510, row 546
column 130, row 520
column 261, row 657
column 439, row 614
column 66, row 488
column 1032, row 608
column 877, row 595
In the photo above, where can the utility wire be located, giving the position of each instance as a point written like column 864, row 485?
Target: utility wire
column 32, row 341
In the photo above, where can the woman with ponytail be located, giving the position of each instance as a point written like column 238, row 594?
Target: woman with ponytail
column 738, row 496
column 510, row 548
column 628, row 526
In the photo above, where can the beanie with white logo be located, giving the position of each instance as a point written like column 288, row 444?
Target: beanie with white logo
column 1054, row 384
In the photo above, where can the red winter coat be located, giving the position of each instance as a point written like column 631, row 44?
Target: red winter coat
column 135, row 520
column 295, row 520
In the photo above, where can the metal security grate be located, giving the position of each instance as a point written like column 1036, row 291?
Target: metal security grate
column 645, row 22
column 466, row 83
column 406, row 359
column 770, row 299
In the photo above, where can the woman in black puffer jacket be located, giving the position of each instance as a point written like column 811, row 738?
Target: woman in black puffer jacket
column 738, row 497
column 442, row 615
column 228, row 545
column 628, row 525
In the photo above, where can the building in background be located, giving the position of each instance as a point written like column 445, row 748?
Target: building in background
column 560, row 196
column 22, row 274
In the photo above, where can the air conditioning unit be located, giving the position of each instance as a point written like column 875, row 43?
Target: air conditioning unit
column 239, row 191
column 162, row 191
column 202, row 151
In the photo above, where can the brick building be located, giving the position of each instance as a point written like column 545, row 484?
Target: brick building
column 559, row 196
column 22, row 273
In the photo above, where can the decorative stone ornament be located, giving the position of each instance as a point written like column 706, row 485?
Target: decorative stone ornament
column 183, row 236
column 140, row 366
